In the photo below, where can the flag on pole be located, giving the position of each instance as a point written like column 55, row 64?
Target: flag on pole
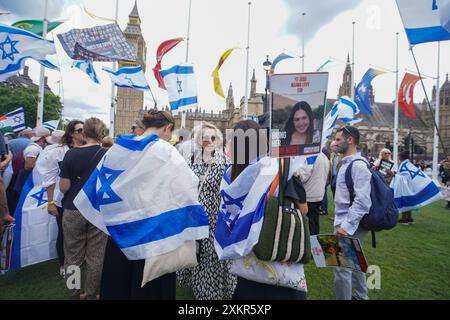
column 36, row 26
column 14, row 119
column 181, row 87
column 163, row 48
column 17, row 45
column 413, row 188
column 88, row 68
column 137, row 197
column 362, row 90
column 51, row 125
column 345, row 110
column 277, row 60
column 217, row 85
column 128, row 77
column 32, row 239
column 425, row 20
column 405, row 95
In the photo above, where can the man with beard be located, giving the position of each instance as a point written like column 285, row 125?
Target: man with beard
column 349, row 214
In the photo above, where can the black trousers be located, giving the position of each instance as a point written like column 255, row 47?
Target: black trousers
column 251, row 290
column 60, row 237
column 313, row 216
column 122, row 278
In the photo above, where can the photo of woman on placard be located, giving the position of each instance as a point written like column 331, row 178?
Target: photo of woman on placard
column 299, row 127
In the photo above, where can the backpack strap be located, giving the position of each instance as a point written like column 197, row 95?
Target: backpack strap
column 349, row 179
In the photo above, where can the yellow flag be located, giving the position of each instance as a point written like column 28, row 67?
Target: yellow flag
column 217, row 84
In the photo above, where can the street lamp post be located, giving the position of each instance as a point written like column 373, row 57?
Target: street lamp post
column 267, row 65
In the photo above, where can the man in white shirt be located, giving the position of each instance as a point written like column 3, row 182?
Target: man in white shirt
column 38, row 143
column 348, row 215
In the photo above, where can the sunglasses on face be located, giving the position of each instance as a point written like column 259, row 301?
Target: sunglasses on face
column 80, row 130
column 207, row 139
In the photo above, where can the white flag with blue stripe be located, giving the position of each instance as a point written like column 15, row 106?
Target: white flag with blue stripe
column 345, row 110
column 144, row 195
column 241, row 211
column 14, row 119
column 33, row 238
column 17, row 45
column 425, row 20
column 88, row 68
column 129, row 77
column 413, row 188
column 181, row 87
column 51, row 125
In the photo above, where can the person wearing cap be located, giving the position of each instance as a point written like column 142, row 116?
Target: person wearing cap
column 38, row 143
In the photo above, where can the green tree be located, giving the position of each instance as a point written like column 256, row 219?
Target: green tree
column 13, row 98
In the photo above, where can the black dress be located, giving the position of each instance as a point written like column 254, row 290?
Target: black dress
column 122, row 278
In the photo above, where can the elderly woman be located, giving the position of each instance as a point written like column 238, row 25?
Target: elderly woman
column 211, row 279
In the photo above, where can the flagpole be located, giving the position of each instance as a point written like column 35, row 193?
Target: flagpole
column 40, row 108
column 188, row 31
column 396, row 129
column 247, row 65
column 303, row 42
column 436, row 117
column 112, row 111
column 352, row 86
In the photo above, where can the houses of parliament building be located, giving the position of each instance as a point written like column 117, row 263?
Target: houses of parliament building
column 376, row 130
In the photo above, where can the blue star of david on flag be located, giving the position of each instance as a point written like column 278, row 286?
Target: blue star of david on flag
column 12, row 49
column 39, row 196
column 105, row 194
column 413, row 174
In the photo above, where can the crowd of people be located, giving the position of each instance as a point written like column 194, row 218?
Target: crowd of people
column 66, row 159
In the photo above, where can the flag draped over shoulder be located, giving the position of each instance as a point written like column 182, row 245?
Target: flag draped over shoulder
column 425, row 20
column 345, row 110
column 406, row 95
column 241, row 211
column 88, row 68
column 17, row 45
column 36, row 26
column 217, row 85
column 181, row 87
column 163, row 48
column 33, row 238
column 362, row 90
column 145, row 196
column 413, row 188
column 14, row 120
column 128, row 77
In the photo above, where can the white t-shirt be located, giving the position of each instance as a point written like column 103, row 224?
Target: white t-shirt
column 32, row 151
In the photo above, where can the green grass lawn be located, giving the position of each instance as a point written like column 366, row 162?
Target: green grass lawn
column 414, row 262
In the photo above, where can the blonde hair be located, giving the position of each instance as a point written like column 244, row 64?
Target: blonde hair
column 197, row 135
column 383, row 151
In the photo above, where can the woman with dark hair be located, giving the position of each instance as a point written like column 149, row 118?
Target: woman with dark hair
column 53, row 157
column 250, row 162
column 300, row 126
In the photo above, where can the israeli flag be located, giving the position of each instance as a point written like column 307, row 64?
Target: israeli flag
column 88, row 68
column 17, row 45
column 14, row 119
column 34, row 234
column 345, row 110
column 413, row 188
column 425, row 20
column 181, row 87
column 241, row 211
column 51, row 125
column 144, row 195
column 128, row 77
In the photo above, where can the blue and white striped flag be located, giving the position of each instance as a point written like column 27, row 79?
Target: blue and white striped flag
column 425, row 20
column 51, row 125
column 241, row 211
column 345, row 110
column 14, row 119
column 17, row 45
column 128, row 77
column 88, row 68
column 181, row 87
column 33, row 238
column 137, row 197
column 413, row 188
